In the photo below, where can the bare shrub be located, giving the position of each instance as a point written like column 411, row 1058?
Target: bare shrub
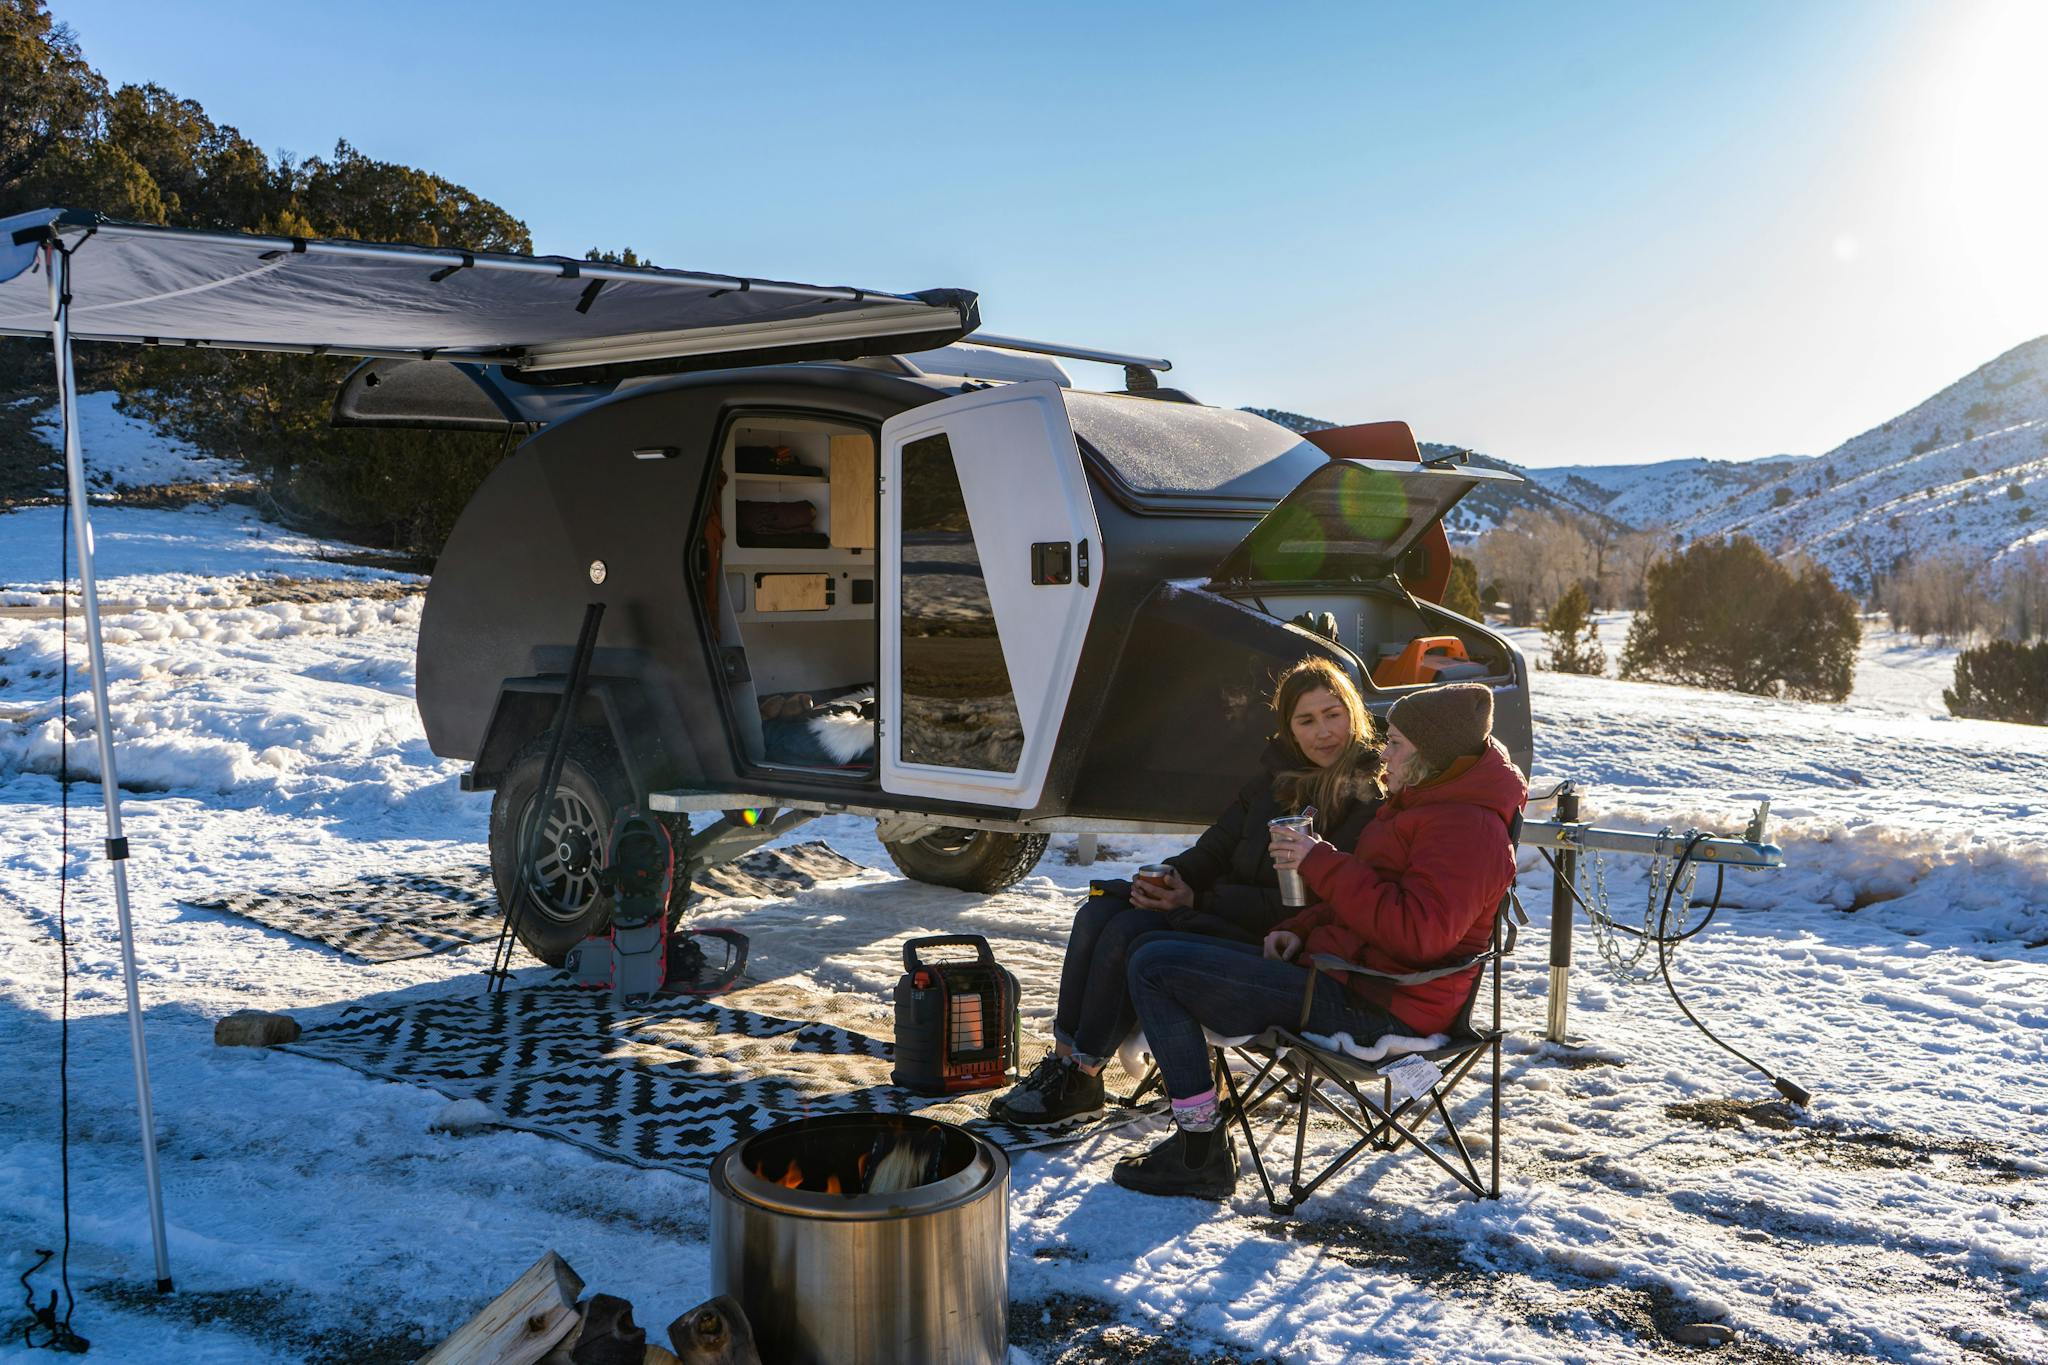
column 1946, row 595
column 1532, row 558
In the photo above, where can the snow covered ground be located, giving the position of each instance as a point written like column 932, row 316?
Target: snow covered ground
column 261, row 706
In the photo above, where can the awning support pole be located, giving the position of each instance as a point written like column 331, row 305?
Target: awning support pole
column 57, row 265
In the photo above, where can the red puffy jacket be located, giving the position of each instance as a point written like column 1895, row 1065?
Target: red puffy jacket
column 1420, row 889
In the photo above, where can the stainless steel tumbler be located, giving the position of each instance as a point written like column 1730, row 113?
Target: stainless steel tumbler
column 1293, row 890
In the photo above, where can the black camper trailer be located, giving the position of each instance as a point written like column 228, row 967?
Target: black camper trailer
column 950, row 591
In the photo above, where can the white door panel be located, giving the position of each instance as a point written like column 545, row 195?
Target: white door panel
column 975, row 718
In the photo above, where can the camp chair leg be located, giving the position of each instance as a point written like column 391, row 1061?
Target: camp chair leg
column 1457, row 1140
column 1422, row 1145
column 1493, row 1191
column 1151, row 1080
column 1242, row 1117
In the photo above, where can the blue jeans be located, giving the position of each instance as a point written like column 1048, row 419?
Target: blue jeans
column 1181, row 983
column 1094, row 1013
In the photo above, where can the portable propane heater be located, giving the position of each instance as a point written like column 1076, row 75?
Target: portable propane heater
column 956, row 1022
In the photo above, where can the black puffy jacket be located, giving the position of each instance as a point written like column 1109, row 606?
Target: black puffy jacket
column 1237, row 892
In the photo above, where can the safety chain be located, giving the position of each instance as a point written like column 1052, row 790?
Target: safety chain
column 1625, row 961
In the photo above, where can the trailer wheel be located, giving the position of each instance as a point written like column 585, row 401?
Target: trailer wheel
column 968, row 859
column 561, row 905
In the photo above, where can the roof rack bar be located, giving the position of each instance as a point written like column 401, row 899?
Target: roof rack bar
column 1066, row 352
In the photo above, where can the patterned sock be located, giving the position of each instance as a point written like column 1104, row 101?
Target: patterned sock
column 1198, row 1114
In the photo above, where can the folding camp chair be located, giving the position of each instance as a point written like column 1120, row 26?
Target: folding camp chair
column 1383, row 1094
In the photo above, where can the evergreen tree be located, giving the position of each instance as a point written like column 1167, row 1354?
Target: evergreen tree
column 2001, row 681
column 1461, row 594
column 1573, row 635
column 50, row 99
column 1724, row 614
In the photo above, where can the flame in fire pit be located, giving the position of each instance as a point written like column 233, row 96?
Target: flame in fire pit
column 895, row 1160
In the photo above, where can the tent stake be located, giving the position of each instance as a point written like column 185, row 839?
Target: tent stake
column 58, row 266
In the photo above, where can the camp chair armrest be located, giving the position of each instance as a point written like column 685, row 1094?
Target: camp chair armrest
column 1330, row 962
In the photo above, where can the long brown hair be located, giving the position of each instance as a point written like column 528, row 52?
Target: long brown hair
column 1355, row 775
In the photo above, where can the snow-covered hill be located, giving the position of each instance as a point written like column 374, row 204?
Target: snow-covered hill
column 1967, row 470
column 1668, row 493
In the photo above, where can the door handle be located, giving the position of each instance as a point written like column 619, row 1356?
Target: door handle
column 1052, row 563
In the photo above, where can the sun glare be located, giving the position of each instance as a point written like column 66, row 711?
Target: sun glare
column 1987, row 113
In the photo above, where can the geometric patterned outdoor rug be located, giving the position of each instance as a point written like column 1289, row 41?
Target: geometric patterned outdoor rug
column 392, row 915
column 669, row 1086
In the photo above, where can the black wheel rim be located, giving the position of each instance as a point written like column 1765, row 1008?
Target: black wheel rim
column 949, row 842
column 567, row 853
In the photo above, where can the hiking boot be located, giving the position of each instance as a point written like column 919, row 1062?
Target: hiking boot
column 1199, row 1165
column 1056, row 1091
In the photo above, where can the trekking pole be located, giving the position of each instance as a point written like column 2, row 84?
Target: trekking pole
column 1562, row 881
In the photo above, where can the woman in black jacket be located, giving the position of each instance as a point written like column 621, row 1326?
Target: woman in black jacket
column 1324, row 756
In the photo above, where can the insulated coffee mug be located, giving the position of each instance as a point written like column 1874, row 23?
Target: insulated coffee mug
column 1293, row 890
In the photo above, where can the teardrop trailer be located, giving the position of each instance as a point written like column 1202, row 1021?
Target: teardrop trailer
column 847, row 563
column 1054, row 610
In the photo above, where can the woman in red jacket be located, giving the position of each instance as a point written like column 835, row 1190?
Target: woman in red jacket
column 1322, row 755
column 1419, row 890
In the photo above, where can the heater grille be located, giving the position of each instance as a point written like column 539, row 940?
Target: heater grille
column 956, row 1022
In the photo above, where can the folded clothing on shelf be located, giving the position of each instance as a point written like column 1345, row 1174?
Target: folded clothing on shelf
column 772, row 460
column 775, row 518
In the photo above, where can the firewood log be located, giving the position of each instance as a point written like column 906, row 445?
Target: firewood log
column 715, row 1332
column 608, row 1334
column 522, row 1324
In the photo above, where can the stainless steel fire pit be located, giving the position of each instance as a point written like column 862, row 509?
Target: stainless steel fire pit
column 832, row 1275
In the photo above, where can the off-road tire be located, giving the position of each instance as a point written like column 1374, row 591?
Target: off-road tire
column 591, row 791
column 968, row 859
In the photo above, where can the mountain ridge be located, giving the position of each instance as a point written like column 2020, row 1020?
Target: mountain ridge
column 1964, row 471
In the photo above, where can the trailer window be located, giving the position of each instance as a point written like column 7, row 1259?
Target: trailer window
column 959, row 709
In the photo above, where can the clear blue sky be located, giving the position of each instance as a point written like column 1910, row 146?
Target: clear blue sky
column 1557, row 232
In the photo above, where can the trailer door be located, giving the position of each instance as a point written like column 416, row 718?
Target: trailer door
column 990, row 564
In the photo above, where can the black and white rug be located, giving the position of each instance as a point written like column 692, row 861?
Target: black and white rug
column 379, row 918
column 666, row 1087
column 388, row 916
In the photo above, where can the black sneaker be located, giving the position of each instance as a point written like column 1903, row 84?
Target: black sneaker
column 1199, row 1165
column 1056, row 1091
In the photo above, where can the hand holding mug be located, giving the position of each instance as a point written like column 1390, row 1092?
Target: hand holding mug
column 1159, row 886
column 1290, row 845
column 1283, row 945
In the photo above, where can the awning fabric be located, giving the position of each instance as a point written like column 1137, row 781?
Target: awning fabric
column 542, row 317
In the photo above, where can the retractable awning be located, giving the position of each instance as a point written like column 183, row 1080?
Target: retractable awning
column 541, row 317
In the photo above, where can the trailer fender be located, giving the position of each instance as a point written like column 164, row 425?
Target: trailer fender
column 617, row 708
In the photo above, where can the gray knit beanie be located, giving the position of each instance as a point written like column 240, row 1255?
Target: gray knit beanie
column 1445, row 722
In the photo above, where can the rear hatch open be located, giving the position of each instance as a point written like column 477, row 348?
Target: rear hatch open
column 1331, row 557
column 1350, row 521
